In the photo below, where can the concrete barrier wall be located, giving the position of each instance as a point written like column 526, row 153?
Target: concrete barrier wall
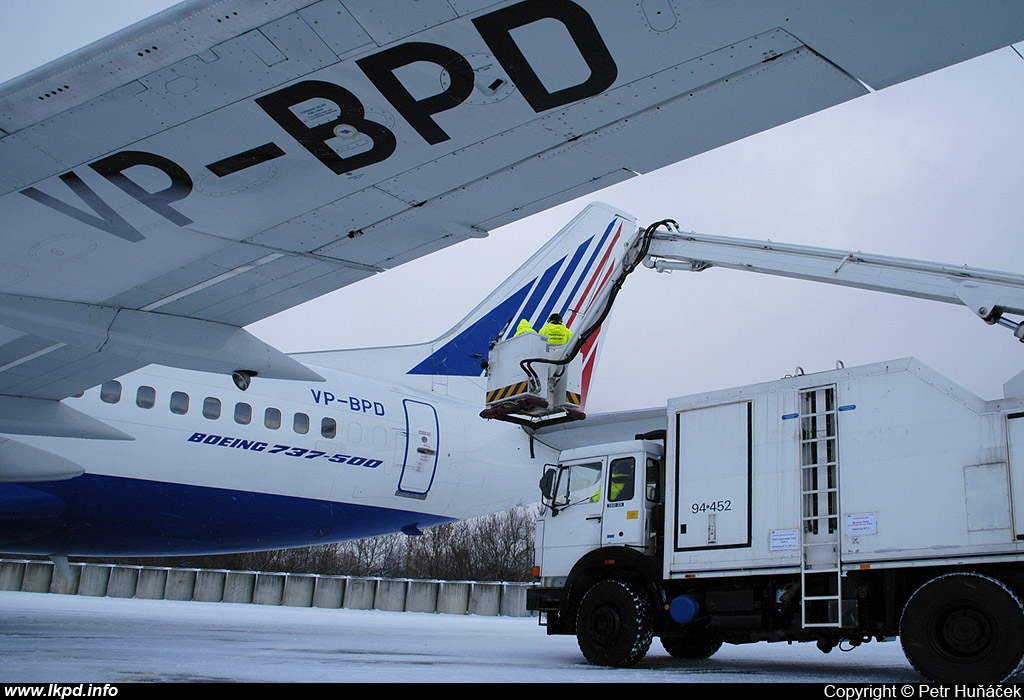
column 267, row 588
column 421, row 596
column 485, row 599
column 152, row 583
column 453, row 597
column 329, row 591
column 298, row 590
column 180, row 584
column 37, row 577
column 359, row 593
column 239, row 586
column 93, row 580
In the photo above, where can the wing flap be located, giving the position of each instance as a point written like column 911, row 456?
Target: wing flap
column 808, row 82
column 22, row 416
column 907, row 42
column 33, row 366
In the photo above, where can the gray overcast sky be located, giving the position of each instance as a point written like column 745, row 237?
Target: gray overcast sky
column 929, row 169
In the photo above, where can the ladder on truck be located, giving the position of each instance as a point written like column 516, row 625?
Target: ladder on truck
column 820, row 569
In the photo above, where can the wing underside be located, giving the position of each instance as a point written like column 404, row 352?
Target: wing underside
column 223, row 161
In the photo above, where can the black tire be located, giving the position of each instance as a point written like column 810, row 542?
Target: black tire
column 964, row 628
column 696, row 646
column 613, row 624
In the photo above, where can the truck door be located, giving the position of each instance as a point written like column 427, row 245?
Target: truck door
column 1015, row 444
column 574, row 526
column 625, row 511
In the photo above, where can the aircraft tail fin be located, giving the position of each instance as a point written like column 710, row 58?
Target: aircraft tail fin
column 571, row 274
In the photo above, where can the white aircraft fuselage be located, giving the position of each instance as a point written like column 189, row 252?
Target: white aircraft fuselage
column 213, row 469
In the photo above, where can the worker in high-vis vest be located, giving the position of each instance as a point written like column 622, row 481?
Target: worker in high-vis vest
column 523, row 327
column 554, row 331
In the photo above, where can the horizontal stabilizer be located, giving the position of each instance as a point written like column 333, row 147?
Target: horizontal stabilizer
column 600, row 428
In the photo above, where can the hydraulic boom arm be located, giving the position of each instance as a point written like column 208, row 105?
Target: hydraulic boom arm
column 989, row 294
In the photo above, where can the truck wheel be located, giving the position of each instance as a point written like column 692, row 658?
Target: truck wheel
column 964, row 628
column 696, row 646
column 613, row 625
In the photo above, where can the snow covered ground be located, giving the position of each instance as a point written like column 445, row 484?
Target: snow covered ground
column 48, row 638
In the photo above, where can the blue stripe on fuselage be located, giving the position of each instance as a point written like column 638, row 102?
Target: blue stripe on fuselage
column 107, row 515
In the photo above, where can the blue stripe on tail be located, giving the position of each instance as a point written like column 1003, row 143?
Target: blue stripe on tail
column 461, row 356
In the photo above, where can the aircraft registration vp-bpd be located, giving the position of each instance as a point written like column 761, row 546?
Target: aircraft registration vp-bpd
column 371, row 450
column 330, row 122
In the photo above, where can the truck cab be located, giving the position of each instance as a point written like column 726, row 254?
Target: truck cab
column 601, row 503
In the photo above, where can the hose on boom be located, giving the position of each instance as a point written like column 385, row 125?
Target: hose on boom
column 629, row 264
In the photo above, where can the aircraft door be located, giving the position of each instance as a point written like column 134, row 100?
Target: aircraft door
column 421, row 444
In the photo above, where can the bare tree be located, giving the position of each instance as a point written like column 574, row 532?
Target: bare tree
column 503, row 545
column 441, row 552
column 497, row 547
column 372, row 556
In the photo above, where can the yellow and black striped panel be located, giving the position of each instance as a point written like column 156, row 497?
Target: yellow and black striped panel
column 572, row 397
column 507, row 391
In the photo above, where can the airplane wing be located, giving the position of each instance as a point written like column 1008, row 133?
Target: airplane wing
column 598, row 428
column 228, row 159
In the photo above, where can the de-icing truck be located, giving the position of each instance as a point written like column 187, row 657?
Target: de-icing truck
column 841, row 507
column 837, row 507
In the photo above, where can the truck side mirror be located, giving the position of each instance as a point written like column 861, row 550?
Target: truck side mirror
column 547, row 484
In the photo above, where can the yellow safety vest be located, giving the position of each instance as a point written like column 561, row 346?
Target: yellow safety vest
column 556, row 333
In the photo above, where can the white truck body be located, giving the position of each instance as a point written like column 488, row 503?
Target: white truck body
column 921, row 471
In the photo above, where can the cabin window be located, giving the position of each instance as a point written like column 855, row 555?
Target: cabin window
column 653, row 480
column 622, row 480
column 328, row 428
column 110, row 392
column 272, row 418
column 179, row 403
column 301, row 423
column 243, row 413
column 211, row 408
column 145, row 397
